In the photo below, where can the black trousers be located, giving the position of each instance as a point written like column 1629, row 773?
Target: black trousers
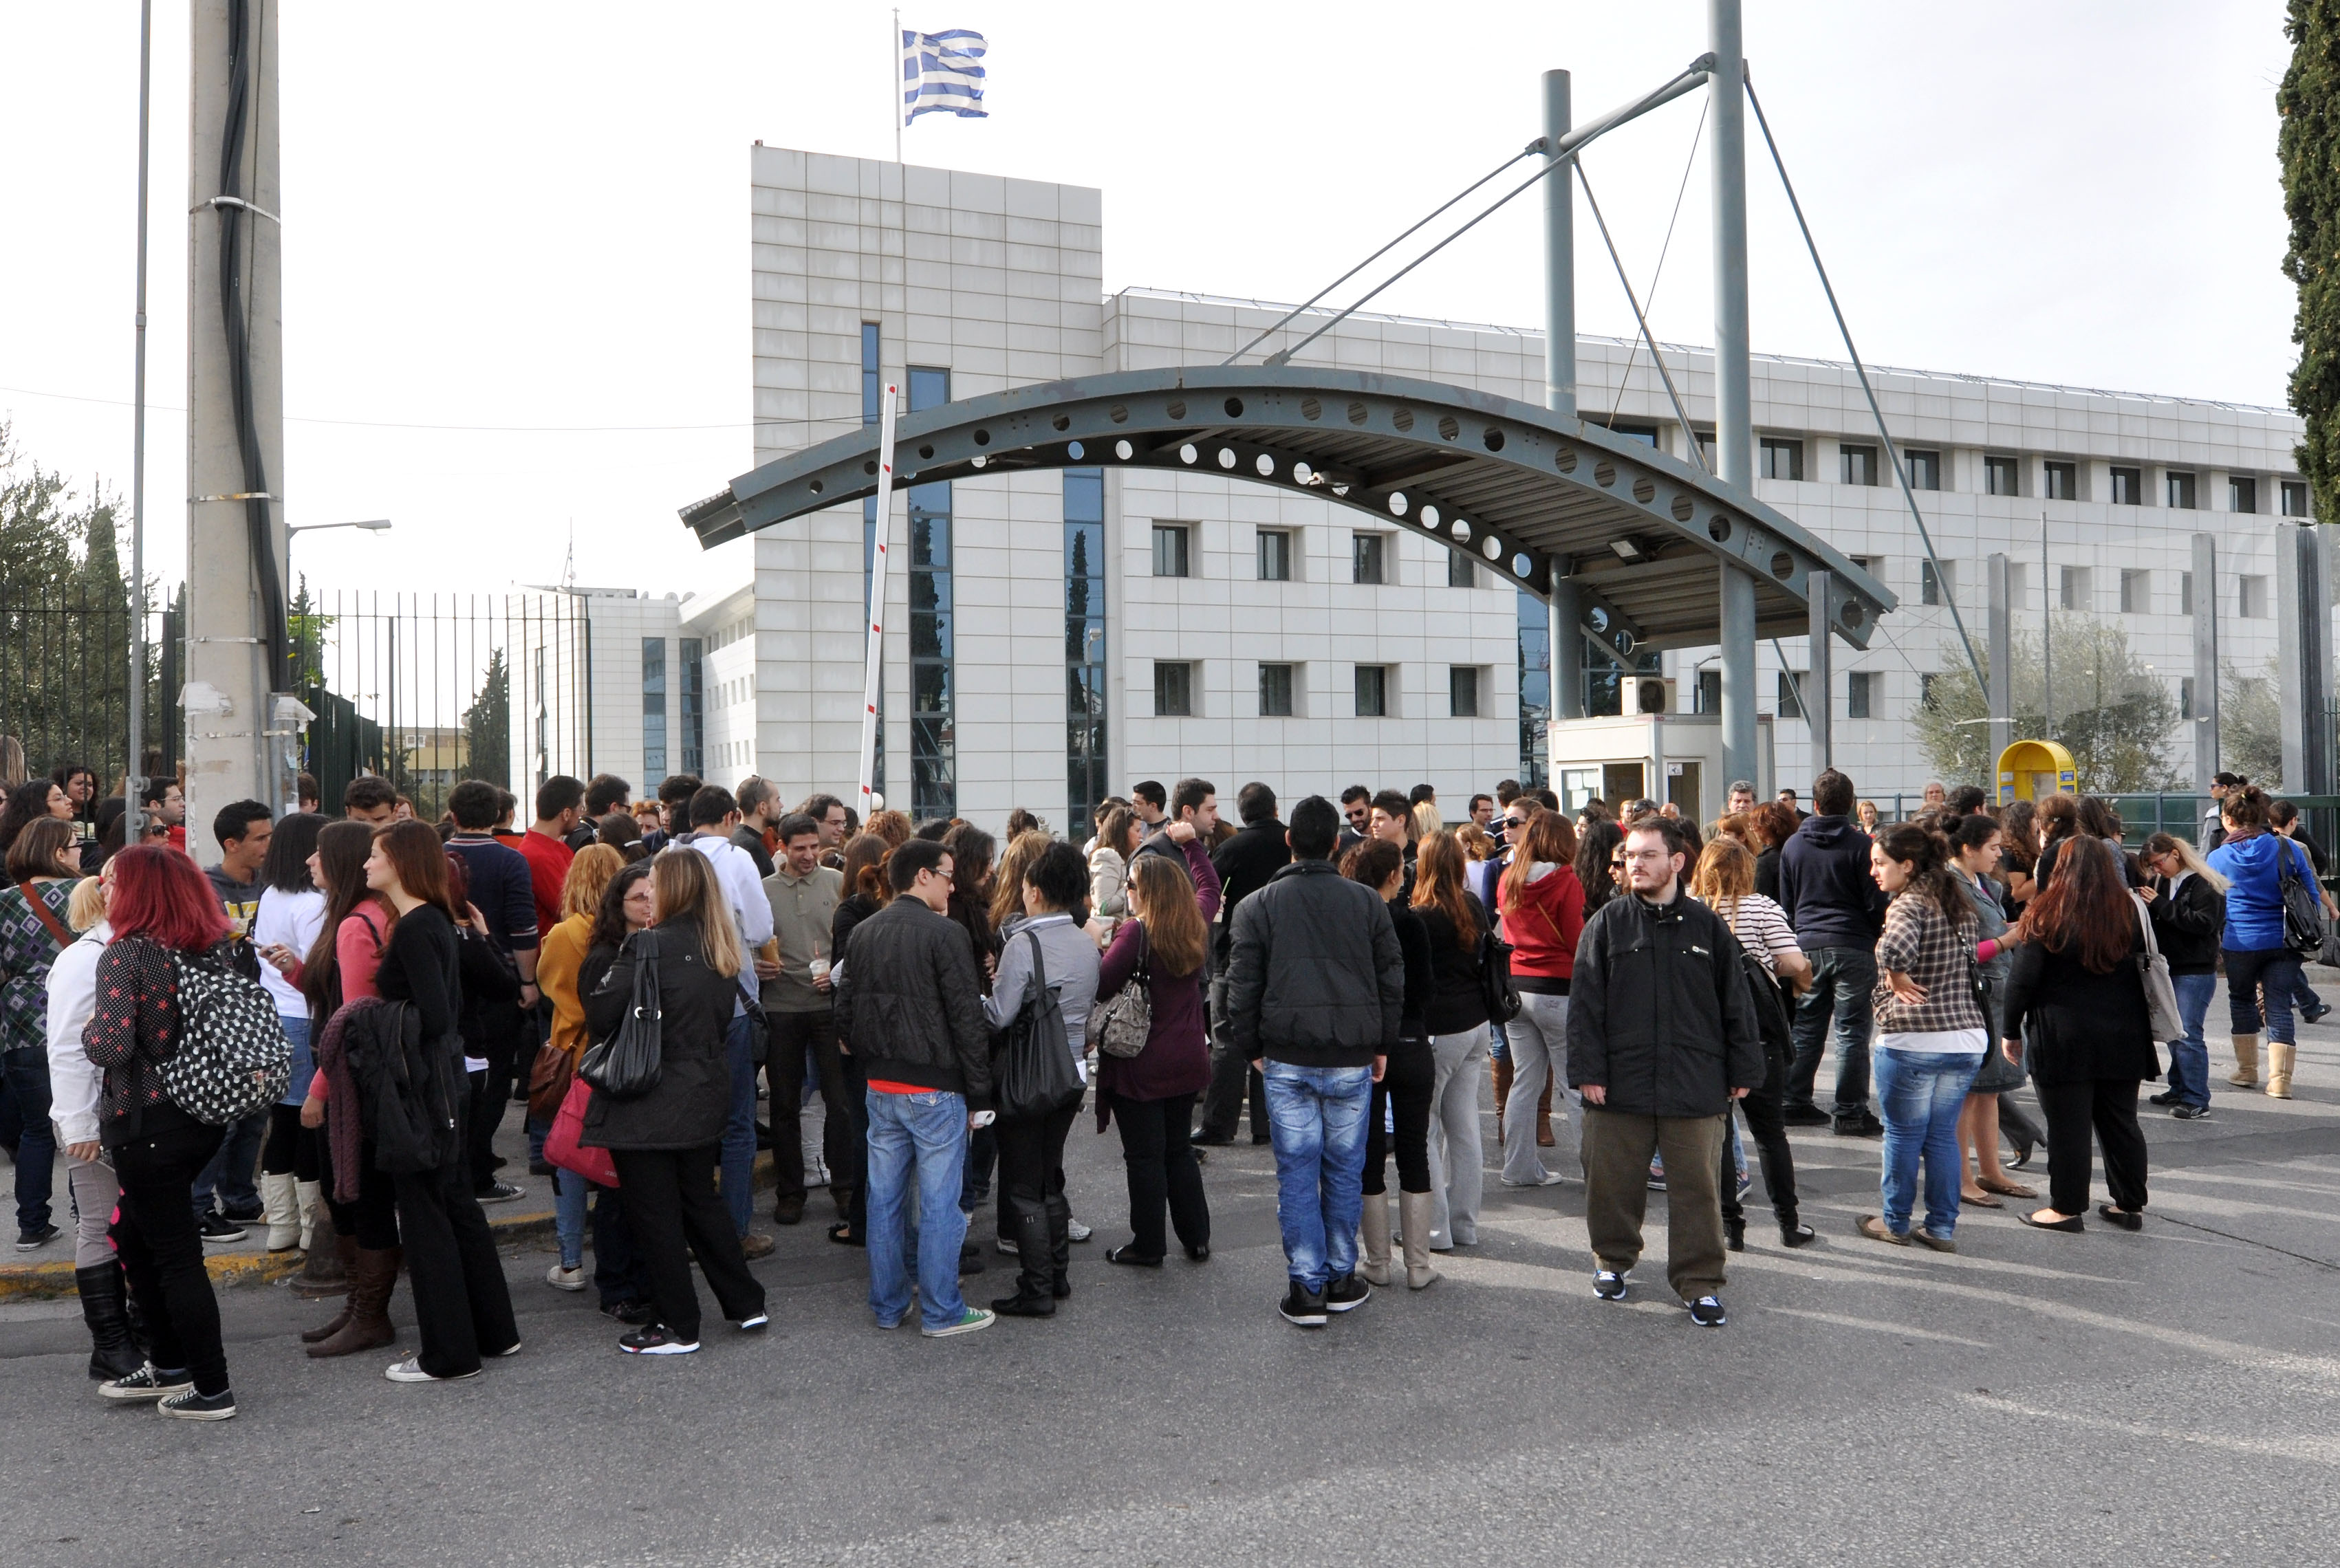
column 461, row 1303
column 1406, row 1087
column 368, row 1216
column 1163, row 1174
column 1764, row 1122
column 673, row 1213
column 291, row 1149
column 793, row 1033
column 2109, row 1106
column 1231, row 1077
column 1033, row 1207
column 163, row 1252
column 618, row 1274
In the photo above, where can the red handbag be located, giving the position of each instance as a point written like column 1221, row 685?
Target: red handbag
column 560, row 1145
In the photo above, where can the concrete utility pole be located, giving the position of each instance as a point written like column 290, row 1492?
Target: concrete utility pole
column 1734, row 422
column 236, row 625
column 1565, row 662
column 2205, row 660
column 2304, row 663
column 2000, row 699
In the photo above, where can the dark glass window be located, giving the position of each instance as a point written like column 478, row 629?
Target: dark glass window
column 1173, row 690
column 1085, row 633
column 1365, row 559
column 1783, row 458
column 694, row 707
column 1274, row 555
column 1275, row 691
column 1925, row 470
column 934, row 752
column 1373, row 692
column 1463, row 692
column 654, row 765
column 2061, row 480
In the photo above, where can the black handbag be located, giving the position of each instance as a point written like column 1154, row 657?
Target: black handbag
column 1034, row 1073
column 626, row 1065
column 2303, row 902
column 1495, row 983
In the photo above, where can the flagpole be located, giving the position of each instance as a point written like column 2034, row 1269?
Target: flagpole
column 874, row 659
column 897, row 47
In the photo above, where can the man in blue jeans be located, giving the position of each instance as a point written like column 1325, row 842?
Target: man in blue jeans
column 909, row 1010
column 1837, row 911
column 1315, row 986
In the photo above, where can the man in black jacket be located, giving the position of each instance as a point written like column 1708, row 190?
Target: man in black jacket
column 1316, row 991
column 1837, row 911
column 1243, row 863
column 910, row 1009
column 1662, row 1036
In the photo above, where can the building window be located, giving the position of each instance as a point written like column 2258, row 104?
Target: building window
column 1535, row 685
column 1859, row 693
column 1274, row 555
column 1925, row 470
column 1373, row 692
column 872, row 383
column 694, row 705
column 1647, row 434
column 2129, row 487
column 2253, row 598
column 2180, row 490
column 934, row 747
column 1783, row 458
column 1460, row 573
column 2242, row 494
column 1706, row 697
column 653, row 708
column 1365, row 558
column 1173, row 690
column 1463, row 692
column 1857, row 464
column 2000, row 475
column 2294, row 498
column 1170, row 557
column 1084, row 650
column 2137, row 592
column 1275, row 691
column 1790, row 700
column 2184, row 594
column 2073, row 592
column 2062, row 481
column 1938, row 583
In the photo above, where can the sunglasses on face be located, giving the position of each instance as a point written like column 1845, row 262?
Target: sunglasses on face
column 1508, row 823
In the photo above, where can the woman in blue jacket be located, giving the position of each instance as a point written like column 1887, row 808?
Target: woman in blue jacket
column 2262, row 969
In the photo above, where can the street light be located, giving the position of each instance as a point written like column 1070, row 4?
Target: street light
column 371, row 525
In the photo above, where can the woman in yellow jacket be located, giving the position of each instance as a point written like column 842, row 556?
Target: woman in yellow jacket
column 558, row 957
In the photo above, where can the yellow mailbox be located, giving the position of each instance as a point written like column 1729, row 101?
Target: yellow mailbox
column 2034, row 769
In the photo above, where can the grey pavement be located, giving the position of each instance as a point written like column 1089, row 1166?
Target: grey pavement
column 2172, row 1396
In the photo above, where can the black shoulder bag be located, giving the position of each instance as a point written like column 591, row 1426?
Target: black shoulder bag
column 1035, row 1073
column 626, row 1064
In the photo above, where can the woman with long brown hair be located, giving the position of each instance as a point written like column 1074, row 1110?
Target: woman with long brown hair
column 1151, row 1096
column 1543, row 918
column 461, row 1304
column 43, row 866
column 1455, row 1018
column 1397, row 1114
column 1116, row 842
column 2075, row 982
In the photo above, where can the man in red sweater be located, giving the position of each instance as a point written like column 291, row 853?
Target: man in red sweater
column 559, row 799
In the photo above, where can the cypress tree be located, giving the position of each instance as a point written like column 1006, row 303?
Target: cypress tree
column 2309, row 146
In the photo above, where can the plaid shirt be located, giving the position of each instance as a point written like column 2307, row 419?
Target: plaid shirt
column 26, row 951
column 1920, row 942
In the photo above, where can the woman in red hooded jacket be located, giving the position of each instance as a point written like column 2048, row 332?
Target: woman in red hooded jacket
column 1544, row 915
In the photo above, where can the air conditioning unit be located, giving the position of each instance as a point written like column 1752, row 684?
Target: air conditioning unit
column 1650, row 694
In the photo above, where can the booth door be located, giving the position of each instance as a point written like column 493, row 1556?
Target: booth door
column 1682, row 789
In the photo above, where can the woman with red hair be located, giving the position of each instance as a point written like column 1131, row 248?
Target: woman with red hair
column 165, row 916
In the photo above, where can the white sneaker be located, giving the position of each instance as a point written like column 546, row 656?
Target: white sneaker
column 410, row 1371
column 1076, row 1231
column 560, row 1277
column 1550, row 1179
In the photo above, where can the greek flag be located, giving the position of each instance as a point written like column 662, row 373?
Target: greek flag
column 942, row 74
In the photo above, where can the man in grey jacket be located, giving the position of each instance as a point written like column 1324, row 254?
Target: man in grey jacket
column 1662, row 1038
column 1316, row 989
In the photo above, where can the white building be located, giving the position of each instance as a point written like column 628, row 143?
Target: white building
column 1053, row 637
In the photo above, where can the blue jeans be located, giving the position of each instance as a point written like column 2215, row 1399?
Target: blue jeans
column 36, row 1149
column 740, row 1131
column 1921, row 1094
column 2189, row 1056
column 1842, row 979
column 569, row 1190
column 1316, row 1120
column 2256, row 975
column 919, row 1138
column 230, row 1171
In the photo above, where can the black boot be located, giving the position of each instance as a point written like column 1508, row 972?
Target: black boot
column 1734, row 1233
column 1032, row 1298
column 106, row 1307
column 1060, row 1246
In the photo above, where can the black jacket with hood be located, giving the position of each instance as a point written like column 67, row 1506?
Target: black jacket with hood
column 1658, row 1012
column 1826, row 889
column 1315, row 978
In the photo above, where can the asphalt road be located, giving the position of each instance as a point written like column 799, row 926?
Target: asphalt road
column 2172, row 1396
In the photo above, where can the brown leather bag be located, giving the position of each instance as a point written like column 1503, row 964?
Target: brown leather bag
column 548, row 1079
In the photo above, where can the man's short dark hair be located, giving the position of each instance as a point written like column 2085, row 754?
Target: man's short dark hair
column 369, row 793
column 1545, row 798
column 235, row 820
column 473, row 804
column 1832, row 794
column 1150, row 792
column 1667, row 827
column 1255, row 802
column 1421, row 792
column 604, row 793
column 1968, row 799
column 676, row 790
column 506, row 804
column 2228, row 781
column 933, row 828
column 1314, row 829
column 1354, row 793
column 304, row 790
column 1489, row 799
column 557, row 794
column 1190, row 794
column 709, row 804
column 156, row 790
column 1390, row 803
column 1507, row 792
column 902, row 867
column 1059, row 875
column 817, row 806
column 796, row 825
column 753, row 792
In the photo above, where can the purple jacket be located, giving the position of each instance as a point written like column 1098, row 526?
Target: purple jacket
column 1199, row 869
column 1176, row 1059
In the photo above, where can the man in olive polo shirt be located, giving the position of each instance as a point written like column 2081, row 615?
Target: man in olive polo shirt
column 797, row 993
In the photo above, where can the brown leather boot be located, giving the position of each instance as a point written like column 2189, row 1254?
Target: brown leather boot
column 1502, row 1090
column 1543, row 1117
column 367, row 1328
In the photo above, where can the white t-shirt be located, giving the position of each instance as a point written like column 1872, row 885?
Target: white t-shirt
column 294, row 919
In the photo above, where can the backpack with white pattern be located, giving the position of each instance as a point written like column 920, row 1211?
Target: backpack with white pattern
column 233, row 1057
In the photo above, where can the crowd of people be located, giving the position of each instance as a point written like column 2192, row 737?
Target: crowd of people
column 369, row 994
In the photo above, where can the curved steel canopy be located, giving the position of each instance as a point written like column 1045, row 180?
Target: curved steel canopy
column 1537, row 498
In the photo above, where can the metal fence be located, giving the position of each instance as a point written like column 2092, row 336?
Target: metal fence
column 64, row 678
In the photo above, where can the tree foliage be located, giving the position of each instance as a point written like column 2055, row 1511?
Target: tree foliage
column 2112, row 712
column 2309, row 147
column 65, row 619
column 487, row 726
column 2250, row 723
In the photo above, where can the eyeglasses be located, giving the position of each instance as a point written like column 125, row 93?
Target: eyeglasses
column 1508, row 823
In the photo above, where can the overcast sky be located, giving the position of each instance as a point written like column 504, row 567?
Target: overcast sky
column 536, row 216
